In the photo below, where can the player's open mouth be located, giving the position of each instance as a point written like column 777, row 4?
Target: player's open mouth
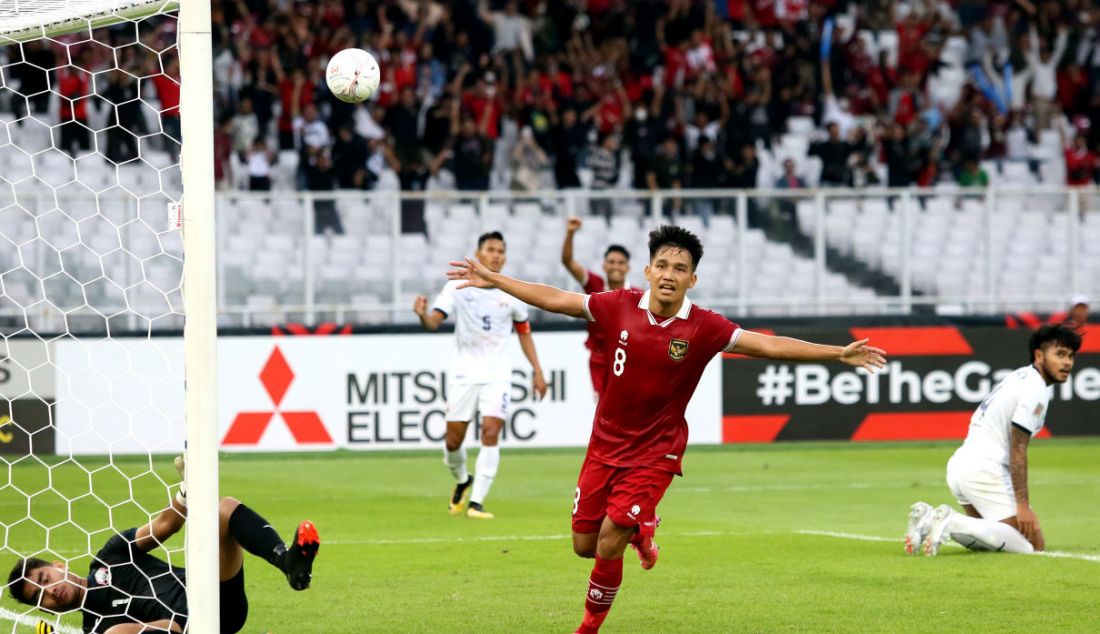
column 666, row 287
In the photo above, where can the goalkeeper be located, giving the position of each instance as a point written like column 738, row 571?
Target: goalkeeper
column 128, row 590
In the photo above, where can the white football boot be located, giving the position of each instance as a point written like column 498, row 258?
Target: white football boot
column 937, row 532
column 920, row 522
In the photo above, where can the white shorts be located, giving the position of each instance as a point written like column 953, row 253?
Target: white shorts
column 490, row 399
column 987, row 487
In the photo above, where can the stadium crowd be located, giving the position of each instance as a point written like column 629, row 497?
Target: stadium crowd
column 686, row 92
column 528, row 94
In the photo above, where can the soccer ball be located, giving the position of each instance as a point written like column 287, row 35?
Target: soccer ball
column 353, row 75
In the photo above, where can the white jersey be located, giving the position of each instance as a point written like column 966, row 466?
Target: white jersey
column 1020, row 400
column 483, row 325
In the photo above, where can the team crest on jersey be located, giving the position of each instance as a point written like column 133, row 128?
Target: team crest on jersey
column 1038, row 410
column 677, row 349
column 103, row 576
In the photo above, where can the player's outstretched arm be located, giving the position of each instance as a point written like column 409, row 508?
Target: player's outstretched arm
column 574, row 267
column 857, row 353
column 550, row 298
column 167, row 523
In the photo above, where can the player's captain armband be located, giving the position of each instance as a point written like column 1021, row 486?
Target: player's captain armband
column 522, row 327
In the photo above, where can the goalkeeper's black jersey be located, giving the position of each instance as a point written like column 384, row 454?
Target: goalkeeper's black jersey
column 128, row 585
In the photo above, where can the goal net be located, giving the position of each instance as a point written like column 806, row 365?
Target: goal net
column 91, row 285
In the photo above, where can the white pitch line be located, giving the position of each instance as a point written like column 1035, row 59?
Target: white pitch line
column 26, row 619
column 864, row 538
column 751, row 488
column 1056, row 554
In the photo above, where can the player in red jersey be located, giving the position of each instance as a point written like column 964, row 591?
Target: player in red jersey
column 662, row 343
column 616, row 265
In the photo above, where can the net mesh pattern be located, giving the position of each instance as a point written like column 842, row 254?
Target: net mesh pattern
column 90, row 275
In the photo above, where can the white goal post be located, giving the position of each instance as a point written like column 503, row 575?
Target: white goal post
column 27, row 20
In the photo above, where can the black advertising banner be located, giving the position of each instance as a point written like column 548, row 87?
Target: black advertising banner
column 934, row 379
column 25, row 427
column 26, row 397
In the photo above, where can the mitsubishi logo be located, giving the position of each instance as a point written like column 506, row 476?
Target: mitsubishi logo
column 248, row 427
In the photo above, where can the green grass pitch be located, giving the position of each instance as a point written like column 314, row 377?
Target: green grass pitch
column 754, row 539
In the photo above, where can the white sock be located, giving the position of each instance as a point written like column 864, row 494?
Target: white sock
column 488, row 458
column 982, row 534
column 456, row 462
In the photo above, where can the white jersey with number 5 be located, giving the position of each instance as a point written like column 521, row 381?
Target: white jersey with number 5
column 483, row 325
column 1020, row 400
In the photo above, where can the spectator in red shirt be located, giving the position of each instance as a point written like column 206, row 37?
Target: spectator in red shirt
column 763, row 13
column 612, row 110
column 1078, row 314
column 73, row 86
column 484, row 103
column 1081, row 163
column 223, row 151
column 1073, row 87
column 167, row 84
column 294, row 93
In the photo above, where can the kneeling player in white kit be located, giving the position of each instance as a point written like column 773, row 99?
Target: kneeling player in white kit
column 480, row 377
column 988, row 473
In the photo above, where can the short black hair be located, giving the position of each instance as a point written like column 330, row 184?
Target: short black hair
column 616, row 248
column 17, row 579
column 1053, row 333
column 678, row 237
column 492, row 235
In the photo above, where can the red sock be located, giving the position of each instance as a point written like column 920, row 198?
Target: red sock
column 603, row 585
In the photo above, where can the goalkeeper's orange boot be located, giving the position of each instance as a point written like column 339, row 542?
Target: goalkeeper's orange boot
column 300, row 555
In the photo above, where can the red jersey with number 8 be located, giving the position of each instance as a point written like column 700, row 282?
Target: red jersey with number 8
column 655, row 366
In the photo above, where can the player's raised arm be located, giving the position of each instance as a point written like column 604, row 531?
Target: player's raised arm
column 575, row 269
column 169, row 521
column 857, row 353
column 472, row 273
column 429, row 319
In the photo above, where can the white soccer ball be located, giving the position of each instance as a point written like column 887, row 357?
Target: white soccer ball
column 353, row 75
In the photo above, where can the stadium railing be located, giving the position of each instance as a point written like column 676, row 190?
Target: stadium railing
column 776, row 252
column 781, row 252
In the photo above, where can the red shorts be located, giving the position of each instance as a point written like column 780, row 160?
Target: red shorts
column 628, row 495
column 597, row 366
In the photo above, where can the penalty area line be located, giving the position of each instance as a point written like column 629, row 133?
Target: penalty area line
column 26, row 619
column 1054, row 554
